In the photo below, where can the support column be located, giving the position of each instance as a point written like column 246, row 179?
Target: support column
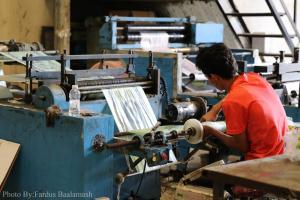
column 62, row 27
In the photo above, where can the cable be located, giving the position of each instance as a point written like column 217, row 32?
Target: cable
column 164, row 90
column 144, row 170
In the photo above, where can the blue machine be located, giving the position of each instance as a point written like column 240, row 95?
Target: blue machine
column 58, row 157
column 124, row 32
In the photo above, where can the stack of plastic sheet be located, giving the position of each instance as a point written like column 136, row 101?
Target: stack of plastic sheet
column 130, row 108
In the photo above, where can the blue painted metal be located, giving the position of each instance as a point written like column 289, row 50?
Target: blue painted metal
column 200, row 33
column 149, row 19
column 205, row 33
column 166, row 66
column 48, row 95
column 293, row 112
column 60, row 158
column 244, row 55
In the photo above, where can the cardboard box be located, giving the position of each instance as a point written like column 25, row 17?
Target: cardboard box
column 8, row 155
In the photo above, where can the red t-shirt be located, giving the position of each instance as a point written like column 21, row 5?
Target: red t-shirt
column 252, row 106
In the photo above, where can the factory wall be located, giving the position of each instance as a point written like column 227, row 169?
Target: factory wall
column 23, row 20
column 204, row 12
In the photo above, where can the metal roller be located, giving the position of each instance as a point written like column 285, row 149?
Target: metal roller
column 98, row 88
column 138, row 37
column 94, row 82
column 46, row 96
column 182, row 111
column 154, row 28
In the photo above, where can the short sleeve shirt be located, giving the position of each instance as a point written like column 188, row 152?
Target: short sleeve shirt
column 253, row 107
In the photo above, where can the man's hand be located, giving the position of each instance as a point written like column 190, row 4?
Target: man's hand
column 212, row 115
column 209, row 116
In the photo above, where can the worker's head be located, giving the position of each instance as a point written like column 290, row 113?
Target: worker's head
column 217, row 63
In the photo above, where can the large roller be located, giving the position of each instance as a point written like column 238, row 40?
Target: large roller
column 195, row 131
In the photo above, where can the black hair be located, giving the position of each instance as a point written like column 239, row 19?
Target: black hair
column 217, row 59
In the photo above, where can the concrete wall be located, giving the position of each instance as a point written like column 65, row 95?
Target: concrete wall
column 203, row 11
column 22, row 20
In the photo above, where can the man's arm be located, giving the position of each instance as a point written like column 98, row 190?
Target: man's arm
column 238, row 142
column 212, row 114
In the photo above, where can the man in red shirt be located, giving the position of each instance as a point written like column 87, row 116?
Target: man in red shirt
column 255, row 118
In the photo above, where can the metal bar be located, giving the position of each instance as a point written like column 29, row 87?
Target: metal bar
column 290, row 19
column 138, row 45
column 137, row 37
column 84, row 88
column 30, row 77
column 82, row 75
column 241, row 20
column 281, row 56
column 121, row 134
column 274, row 54
column 27, row 66
column 262, row 35
column 27, row 76
column 299, row 96
column 98, row 81
column 62, row 68
column 81, row 57
column 100, row 56
column 280, row 24
column 122, row 144
column 249, row 14
column 147, row 19
column 295, row 11
column 229, row 24
column 155, row 28
column 100, row 90
column 46, row 75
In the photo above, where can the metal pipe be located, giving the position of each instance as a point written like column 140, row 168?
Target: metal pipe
column 114, row 86
column 123, row 144
column 299, row 96
column 295, row 11
column 281, row 56
column 137, row 37
column 85, row 82
column 154, row 28
column 100, row 90
column 274, row 54
column 62, row 68
column 82, row 83
column 80, row 57
column 121, row 134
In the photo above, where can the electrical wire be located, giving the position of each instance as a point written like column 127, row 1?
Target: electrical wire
column 144, row 170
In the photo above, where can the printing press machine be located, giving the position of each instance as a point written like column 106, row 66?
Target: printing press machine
column 81, row 155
